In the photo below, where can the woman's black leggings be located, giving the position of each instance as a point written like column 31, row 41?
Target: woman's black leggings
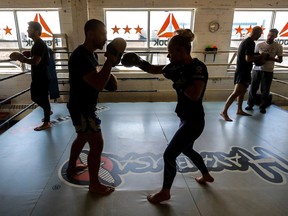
column 183, row 142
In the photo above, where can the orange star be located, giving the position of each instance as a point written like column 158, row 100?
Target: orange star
column 7, row 30
column 239, row 30
column 115, row 29
column 249, row 30
column 127, row 30
column 138, row 29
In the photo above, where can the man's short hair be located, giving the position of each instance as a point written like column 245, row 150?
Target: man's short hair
column 275, row 31
column 36, row 26
column 92, row 24
column 257, row 29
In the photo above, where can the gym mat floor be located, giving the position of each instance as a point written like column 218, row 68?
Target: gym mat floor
column 247, row 157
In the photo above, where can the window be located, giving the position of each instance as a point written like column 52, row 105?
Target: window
column 147, row 31
column 13, row 31
column 244, row 21
column 49, row 21
column 281, row 23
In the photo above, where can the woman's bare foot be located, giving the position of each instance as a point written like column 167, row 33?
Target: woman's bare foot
column 44, row 126
column 205, row 178
column 101, row 189
column 161, row 196
column 241, row 112
column 225, row 117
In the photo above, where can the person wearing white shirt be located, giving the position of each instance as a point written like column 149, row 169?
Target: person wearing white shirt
column 264, row 74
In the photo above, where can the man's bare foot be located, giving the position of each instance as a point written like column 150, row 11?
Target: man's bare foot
column 44, row 126
column 159, row 197
column 225, row 117
column 101, row 189
column 74, row 171
column 241, row 112
column 205, row 178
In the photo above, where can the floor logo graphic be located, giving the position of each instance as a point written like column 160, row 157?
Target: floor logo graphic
column 46, row 31
column 264, row 163
column 168, row 26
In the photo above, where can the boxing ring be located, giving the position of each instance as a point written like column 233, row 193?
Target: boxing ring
column 248, row 159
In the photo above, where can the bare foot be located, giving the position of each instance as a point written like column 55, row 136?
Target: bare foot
column 205, row 178
column 225, row 117
column 161, row 196
column 241, row 112
column 101, row 189
column 44, row 126
column 74, row 171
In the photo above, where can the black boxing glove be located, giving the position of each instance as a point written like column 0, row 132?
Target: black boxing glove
column 181, row 84
column 177, row 74
column 172, row 71
column 132, row 59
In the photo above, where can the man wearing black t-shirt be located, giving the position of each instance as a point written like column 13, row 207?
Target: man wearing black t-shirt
column 39, row 61
column 86, row 81
column 242, row 77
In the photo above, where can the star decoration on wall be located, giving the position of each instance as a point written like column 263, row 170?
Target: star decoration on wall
column 239, row 30
column 127, row 29
column 249, row 30
column 7, row 30
column 115, row 29
column 138, row 29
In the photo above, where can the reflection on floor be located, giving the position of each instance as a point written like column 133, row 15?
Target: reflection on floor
column 247, row 157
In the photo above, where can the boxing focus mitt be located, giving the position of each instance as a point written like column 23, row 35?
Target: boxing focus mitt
column 116, row 47
column 16, row 56
column 27, row 54
column 111, row 84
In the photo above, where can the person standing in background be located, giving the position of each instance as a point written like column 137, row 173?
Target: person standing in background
column 264, row 74
column 39, row 62
column 242, row 77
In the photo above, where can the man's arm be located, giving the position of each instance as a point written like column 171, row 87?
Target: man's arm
column 253, row 58
column 278, row 59
column 16, row 56
column 98, row 80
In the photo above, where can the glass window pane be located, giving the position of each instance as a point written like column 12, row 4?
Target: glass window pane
column 164, row 23
column 130, row 25
column 49, row 21
column 244, row 21
column 281, row 23
column 8, row 34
